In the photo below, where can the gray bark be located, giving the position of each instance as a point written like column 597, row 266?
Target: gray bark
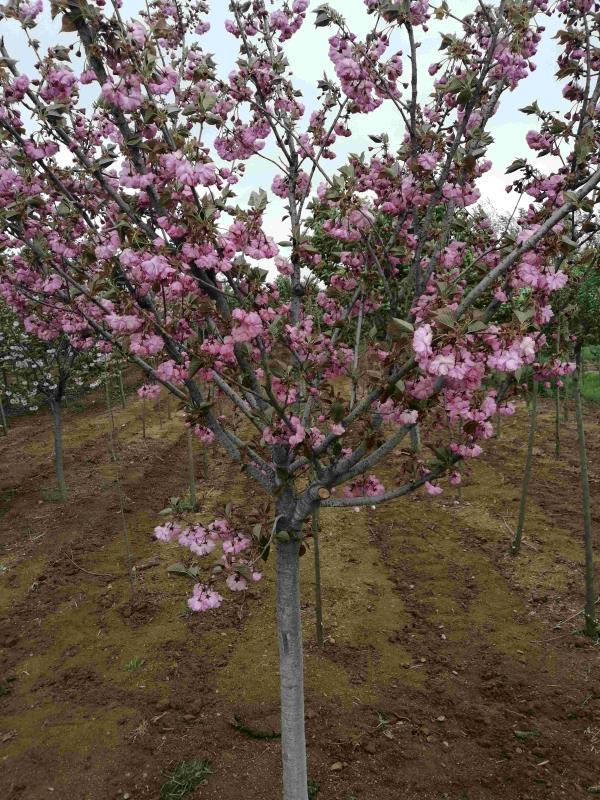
column 557, row 421
column 291, row 672
column 591, row 625
column 204, row 455
column 3, row 418
column 56, row 408
column 516, row 543
column 111, row 432
column 191, row 475
column 557, row 404
column 121, row 389
column 415, row 439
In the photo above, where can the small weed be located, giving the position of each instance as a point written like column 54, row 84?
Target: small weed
column 253, row 733
column 313, row 789
column 52, row 495
column 136, row 663
column 185, row 778
column 382, row 722
column 186, row 611
column 5, row 687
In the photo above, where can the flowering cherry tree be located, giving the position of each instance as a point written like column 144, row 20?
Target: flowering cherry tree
column 122, row 156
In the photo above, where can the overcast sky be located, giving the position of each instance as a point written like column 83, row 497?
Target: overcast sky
column 307, row 54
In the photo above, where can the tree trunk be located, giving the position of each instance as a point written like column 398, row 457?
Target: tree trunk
column 3, row 418
column 566, row 405
column 318, row 597
column 591, row 625
column 121, row 389
column 191, row 475
column 415, row 439
column 291, row 672
column 111, row 432
column 516, row 544
column 557, row 421
column 204, row 455
column 557, row 404
column 56, row 408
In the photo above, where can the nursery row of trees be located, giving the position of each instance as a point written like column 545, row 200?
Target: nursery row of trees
column 400, row 306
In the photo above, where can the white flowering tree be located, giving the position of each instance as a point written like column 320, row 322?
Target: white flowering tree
column 37, row 372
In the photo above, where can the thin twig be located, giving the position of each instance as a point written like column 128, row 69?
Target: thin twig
column 87, row 572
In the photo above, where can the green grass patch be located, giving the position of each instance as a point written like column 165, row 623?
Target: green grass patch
column 52, row 495
column 137, row 662
column 185, row 778
column 590, row 387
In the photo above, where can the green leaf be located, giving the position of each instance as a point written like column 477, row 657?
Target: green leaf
column 399, row 327
column 518, row 163
column 522, row 736
column 322, row 19
column 178, row 569
column 446, row 319
column 244, row 570
column 258, row 200
column 476, row 327
column 523, row 315
column 531, row 109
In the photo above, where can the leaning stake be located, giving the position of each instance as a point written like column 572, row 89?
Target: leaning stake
column 591, row 625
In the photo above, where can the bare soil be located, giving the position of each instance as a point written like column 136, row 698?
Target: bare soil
column 444, row 674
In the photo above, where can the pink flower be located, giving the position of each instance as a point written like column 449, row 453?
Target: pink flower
column 422, row 339
column 167, row 532
column 236, row 582
column 248, row 325
column 149, row 391
column 204, row 598
column 432, row 489
column 205, row 434
column 428, row 161
column 299, row 434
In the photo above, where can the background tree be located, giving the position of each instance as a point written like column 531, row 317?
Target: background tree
column 41, row 372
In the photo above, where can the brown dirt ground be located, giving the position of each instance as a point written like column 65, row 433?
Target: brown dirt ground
column 440, row 645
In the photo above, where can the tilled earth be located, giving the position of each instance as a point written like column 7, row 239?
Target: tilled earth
column 450, row 670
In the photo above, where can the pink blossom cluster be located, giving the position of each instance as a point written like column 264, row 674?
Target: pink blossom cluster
column 203, row 540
